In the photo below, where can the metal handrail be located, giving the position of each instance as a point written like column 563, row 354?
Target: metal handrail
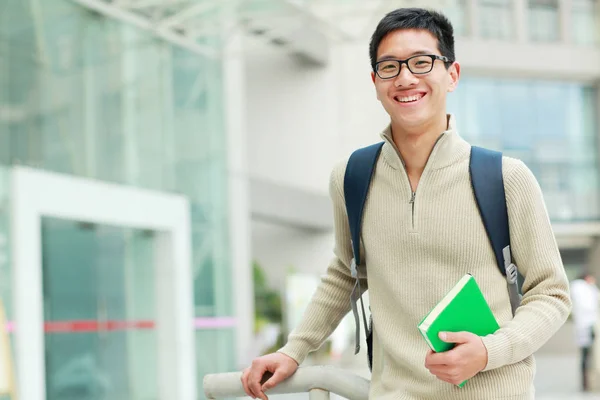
column 305, row 379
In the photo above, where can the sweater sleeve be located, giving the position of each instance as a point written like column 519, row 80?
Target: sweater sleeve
column 546, row 303
column 331, row 301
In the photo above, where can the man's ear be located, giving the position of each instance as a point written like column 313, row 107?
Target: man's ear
column 373, row 77
column 454, row 72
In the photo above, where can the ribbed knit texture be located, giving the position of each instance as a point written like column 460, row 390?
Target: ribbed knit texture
column 415, row 255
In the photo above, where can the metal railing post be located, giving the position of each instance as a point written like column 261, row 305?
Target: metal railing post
column 318, row 394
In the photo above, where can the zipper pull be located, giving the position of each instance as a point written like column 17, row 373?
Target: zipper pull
column 412, row 198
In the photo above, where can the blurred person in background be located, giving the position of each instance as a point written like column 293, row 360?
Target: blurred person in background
column 421, row 232
column 584, row 295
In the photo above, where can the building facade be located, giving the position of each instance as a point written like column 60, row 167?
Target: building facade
column 150, row 149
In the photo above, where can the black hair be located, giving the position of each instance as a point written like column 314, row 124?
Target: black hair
column 415, row 18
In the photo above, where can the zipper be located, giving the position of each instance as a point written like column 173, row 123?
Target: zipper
column 412, row 204
column 414, row 193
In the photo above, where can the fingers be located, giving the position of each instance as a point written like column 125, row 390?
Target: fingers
column 444, row 358
column 451, row 372
column 257, row 371
column 265, row 373
column 453, row 379
column 444, row 377
column 446, row 374
column 438, row 371
column 451, row 357
column 244, row 380
column 430, row 355
column 430, row 359
column 456, row 337
column 273, row 381
column 430, row 365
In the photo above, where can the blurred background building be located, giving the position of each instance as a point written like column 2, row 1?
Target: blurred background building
column 163, row 161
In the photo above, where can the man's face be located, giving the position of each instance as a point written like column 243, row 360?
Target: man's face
column 414, row 100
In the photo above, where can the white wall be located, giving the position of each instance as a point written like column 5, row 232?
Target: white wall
column 277, row 248
column 301, row 119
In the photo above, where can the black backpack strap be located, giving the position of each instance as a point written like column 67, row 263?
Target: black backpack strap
column 357, row 181
column 485, row 168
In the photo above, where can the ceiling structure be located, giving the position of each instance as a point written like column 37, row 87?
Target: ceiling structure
column 300, row 27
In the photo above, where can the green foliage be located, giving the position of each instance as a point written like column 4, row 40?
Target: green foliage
column 267, row 304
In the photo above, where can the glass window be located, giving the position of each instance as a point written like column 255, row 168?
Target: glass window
column 496, row 18
column 455, row 10
column 93, row 97
column 86, row 95
column 584, row 25
column 543, row 23
column 551, row 126
column 214, row 355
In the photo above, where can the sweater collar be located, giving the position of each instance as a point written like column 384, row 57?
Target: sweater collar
column 449, row 149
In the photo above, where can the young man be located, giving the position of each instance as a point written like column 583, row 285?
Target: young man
column 422, row 232
column 584, row 294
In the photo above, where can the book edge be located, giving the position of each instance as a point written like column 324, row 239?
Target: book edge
column 443, row 303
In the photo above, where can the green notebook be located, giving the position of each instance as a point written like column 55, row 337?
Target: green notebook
column 463, row 309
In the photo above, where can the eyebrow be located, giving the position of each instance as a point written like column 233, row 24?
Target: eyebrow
column 416, row 53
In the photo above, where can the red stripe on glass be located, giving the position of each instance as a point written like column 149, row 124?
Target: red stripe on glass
column 95, row 326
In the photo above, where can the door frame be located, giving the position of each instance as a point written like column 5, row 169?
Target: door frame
column 36, row 194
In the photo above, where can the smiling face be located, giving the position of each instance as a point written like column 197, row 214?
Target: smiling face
column 413, row 101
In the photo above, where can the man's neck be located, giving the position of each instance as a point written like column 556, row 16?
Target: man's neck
column 416, row 146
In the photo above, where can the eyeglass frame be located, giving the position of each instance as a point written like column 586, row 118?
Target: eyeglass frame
column 400, row 62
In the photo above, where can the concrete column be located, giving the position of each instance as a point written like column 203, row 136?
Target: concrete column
column 593, row 266
column 565, row 9
column 597, row 127
column 521, row 23
column 473, row 30
column 90, row 107
column 593, row 259
column 130, row 114
column 234, row 99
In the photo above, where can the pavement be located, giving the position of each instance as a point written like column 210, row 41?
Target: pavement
column 557, row 378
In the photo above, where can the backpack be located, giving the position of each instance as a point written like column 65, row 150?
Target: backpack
column 485, row 169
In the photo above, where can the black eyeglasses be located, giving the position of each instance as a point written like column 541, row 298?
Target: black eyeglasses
column 417, row 65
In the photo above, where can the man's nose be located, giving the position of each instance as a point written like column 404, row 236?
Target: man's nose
column 405, row 77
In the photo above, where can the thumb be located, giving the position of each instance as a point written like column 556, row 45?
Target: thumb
column 456, row 337
column 274, row 380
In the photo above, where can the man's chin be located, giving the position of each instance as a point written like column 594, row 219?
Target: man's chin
column 411, row 121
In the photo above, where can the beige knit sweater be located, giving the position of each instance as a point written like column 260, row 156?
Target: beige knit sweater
column 415, row 252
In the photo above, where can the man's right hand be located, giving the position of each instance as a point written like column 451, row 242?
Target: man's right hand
column 280, row 365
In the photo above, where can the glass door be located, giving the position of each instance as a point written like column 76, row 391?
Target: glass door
column 102, row 290
column 99, row 311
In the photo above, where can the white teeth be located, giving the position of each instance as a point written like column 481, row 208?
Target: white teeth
column 409, row 98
